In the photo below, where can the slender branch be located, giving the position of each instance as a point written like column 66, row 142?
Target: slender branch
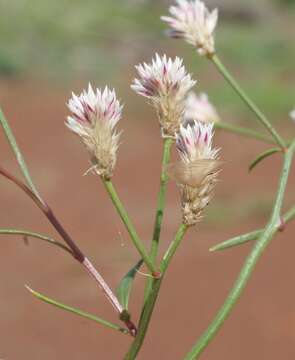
column 76, row 252
column 290, row 215
column 244, row 132
column 152, row 297
column 261, row 117
column 253, row 235
column 161, row 199
column 76, row 311
column 19, row 157
column 130, row 228
column 249, row 264
column 160, row 209
column 35, row 235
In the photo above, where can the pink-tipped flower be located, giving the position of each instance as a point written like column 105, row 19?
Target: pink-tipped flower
column 200, row 108
column 192, row 21
column 165, row 83
column 94, row 115
column 292, row 115
column 197, row 171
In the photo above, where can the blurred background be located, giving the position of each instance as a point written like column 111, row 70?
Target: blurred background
column 49, row 49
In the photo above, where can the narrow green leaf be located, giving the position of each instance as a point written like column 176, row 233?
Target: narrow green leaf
column 124, row 288
column 262, row 156
column 18, row 154
column 238, row 240
column 76, row 311
column 31, row 234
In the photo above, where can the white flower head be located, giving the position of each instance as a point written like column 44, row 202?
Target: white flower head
column 165, row 83
column 192, row 21
column 292, row 115
column 194, row 142
column 196, row 173
column 94, row 115
column 198, row 107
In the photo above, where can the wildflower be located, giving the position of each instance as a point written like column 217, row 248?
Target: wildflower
column 94, row 115
column 165, row 83
column 292, row 115
column 200, row 108
column 192, row 21
column 196, row 172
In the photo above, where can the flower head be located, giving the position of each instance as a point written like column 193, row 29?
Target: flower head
column 197, row 171
column 165, row 83
column 292, row 115
column 94, row 115
column 200, row 108
column 192, row 21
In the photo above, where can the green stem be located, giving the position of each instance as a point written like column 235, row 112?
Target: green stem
column 237, row 240
column 253, row 235
column 249, row 264
column 152, row 297
column 261, row 117
column 19, row 157
column 37, row 236
column 290, row 215
column 129, row 226
column 77, row 311
column 160, row 209
column 244, row 131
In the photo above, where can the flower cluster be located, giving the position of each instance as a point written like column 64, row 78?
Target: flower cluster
column 196, row 173
column 192, row 21
column 200, row 108
column 165, row 83
column 94, row 115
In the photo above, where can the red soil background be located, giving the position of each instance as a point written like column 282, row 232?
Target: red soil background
column 262, row 325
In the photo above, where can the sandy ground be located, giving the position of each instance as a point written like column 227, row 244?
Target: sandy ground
column 262, row 326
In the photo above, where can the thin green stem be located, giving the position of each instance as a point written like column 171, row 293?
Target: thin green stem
column 237, row 240
column 160, row 209
column 261, row 117
column 290, row 215
column 161, row 200
column 19, row 157
column 152, row 297
column 77, row 311
column 253, row 235
column 173, row 247
column 35, row 235
column 244, row 132
column 249, row 264
column 130, row 228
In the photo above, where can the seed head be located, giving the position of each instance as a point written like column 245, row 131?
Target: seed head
column 196, row 173
column 200, row 108
column 94, row 115
column 191, row 20
column 165, row 83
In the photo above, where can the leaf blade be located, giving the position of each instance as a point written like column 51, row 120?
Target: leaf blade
column 263, row 156
column 75, row 311
column 124, row 288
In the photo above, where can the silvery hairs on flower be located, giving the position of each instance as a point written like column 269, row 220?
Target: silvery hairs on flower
column 94, row 115
column 198, row 107
column 192, row 21
column 196, row 172
column 165, row 83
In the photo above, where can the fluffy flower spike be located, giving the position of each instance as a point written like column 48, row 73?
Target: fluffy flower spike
column 165, row 83
column 198, row 107
column 94, row 115
column 191, row 20
column 196, row 173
